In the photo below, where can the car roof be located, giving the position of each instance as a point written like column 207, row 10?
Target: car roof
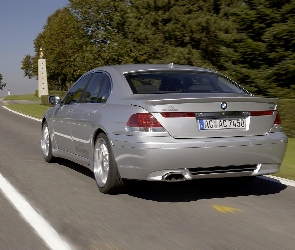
column 130, row 68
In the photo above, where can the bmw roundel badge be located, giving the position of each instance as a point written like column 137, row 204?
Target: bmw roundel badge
column 223, row 105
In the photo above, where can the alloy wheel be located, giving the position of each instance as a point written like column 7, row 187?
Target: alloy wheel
column 45, row 144
column 101, row 162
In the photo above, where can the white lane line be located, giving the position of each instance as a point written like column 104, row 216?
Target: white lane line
column 40, row 225
column 280, row 179
column 27, row 116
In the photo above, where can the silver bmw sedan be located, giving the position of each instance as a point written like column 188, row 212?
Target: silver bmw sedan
column 163, row 123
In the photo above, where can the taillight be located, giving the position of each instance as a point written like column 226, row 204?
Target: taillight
column 260, row 113
column 267, row 112
column 144, row 122
column 177, row 114
column 278, row 119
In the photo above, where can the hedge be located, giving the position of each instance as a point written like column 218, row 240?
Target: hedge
column 287, row 112
column 44, row 98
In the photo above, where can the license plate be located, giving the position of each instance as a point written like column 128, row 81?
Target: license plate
column 215, row 124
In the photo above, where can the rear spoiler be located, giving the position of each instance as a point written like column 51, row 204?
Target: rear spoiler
column 273, row 101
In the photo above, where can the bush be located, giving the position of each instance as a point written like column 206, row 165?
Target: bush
column 44, row 100
column 61, row 94
column 36, row 92
column 287, row 110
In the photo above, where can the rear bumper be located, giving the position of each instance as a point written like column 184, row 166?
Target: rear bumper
column 150, row 158
column 190, row 174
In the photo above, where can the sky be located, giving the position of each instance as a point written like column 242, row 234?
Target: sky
column 20, row 23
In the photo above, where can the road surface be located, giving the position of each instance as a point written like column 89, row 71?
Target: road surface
column 202, row 214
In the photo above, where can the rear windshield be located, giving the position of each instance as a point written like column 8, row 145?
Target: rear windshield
column 155, row 82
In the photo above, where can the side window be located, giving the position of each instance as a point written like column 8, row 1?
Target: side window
column 105, row 90
column 75, row 92
column 94, row 86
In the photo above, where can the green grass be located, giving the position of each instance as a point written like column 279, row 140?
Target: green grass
column 34, row 110
column 29, row 97
column 288, row 165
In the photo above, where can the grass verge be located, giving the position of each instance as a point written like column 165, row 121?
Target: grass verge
column 287, row 110
column 29, row 97
column 288, row 166
column 34, row 110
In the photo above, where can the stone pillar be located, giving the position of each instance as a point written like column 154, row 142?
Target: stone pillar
column 42, row 78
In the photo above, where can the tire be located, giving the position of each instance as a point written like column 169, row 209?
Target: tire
column 46, row 145
column 105, row 169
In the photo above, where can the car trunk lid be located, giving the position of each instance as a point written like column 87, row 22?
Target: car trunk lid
column 214, row 116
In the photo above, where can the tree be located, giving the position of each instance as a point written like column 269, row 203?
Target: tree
column 280, row 44
column 67, row 49
column 28, row 67
column 239, row 38
column 183, row 32
column 2, row 84
column 105, row 23
column 251, row 41
column 263, row 45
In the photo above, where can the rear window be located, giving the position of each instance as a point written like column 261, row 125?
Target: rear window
column 155, row 82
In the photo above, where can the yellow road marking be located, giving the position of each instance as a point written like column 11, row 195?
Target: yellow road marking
column 224, row 209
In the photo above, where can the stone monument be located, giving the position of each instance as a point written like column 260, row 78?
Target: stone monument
column 42, row 76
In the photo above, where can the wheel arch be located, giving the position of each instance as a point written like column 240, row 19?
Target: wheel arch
column 96, row 133
column 43, row 121
column 111, row 183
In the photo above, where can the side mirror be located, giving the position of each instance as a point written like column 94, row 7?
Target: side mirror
column 53, row 100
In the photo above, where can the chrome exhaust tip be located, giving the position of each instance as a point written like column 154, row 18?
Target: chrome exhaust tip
column 173, row 177
column 170, row 175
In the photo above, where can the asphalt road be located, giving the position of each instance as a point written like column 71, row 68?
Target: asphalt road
column 203, row 214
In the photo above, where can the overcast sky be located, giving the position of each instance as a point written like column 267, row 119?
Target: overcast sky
column 20, row 23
